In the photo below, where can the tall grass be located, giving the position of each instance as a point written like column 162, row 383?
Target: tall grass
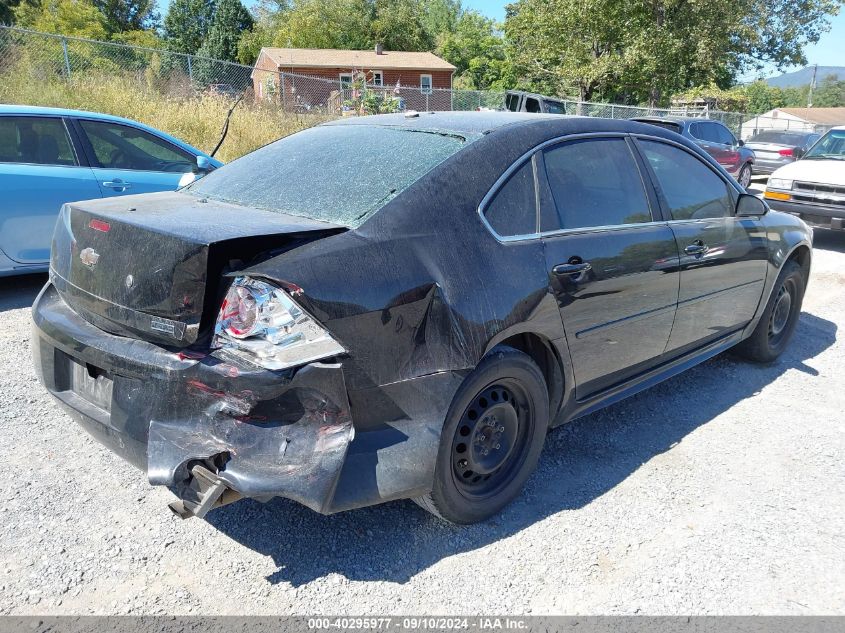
column 197, row 120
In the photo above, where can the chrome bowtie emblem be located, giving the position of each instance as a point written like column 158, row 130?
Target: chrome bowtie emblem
column 129, row 281
column 89, row 257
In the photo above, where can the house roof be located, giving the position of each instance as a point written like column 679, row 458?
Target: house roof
column 335, row 58
column 821, row 116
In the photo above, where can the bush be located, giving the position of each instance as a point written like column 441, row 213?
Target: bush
column 197, row 118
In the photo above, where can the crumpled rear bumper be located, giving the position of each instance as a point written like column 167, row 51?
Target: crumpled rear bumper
column 262, row 433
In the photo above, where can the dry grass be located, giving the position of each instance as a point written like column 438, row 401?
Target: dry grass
column 197, row 120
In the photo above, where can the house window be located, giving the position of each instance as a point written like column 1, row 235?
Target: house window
column 345, row 80
column 378, row 78
column 425, row 84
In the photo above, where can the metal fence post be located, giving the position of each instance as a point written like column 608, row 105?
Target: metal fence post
column 426, row 102
column 190, row 69
column 283, row 90
column 67, row 58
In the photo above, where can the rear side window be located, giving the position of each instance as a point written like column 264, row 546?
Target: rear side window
column 513, row 209
column 595, row 182
column 692, row 190
column 35, row 140
column 123, row 147
column 341, row 174
column 724, row 134
column 532, row 105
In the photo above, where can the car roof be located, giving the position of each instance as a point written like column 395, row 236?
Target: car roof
column 24, row 110
column 482, row 123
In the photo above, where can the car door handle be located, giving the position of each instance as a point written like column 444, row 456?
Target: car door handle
column 117, row 184
column 696, row 248
column 572, row 269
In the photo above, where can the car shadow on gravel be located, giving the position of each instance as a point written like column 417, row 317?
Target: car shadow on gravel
column 581, row 461
column 20, row 292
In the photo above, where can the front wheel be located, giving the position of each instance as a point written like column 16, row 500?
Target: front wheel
column 491, row 439
column 779, row 319
column 744, row 177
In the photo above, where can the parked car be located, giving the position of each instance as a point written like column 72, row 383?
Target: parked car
column 224, row 90
column 813, row 187
column 715, row 139
column 518, row 101
column 413, row 332
column 775, row 148
column 50, row 156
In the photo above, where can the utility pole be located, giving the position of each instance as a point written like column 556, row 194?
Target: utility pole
column 812, row 86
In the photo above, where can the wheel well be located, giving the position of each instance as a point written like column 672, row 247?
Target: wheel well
column 541, row 352
column 801, row 255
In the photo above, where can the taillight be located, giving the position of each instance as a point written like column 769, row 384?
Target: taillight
column 261, row 323
column 786, row 152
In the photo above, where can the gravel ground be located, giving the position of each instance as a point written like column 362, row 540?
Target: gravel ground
column 721, row 491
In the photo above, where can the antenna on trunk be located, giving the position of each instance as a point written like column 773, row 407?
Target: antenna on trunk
column 225, row 130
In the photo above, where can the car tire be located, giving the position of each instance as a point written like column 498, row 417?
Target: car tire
column 491, row 439
column 744, row 176
column 779, row 319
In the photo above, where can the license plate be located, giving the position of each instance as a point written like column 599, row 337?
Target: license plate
column 766, row 154
column 92, row 384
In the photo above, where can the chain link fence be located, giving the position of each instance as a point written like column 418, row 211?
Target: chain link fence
column 43, row 58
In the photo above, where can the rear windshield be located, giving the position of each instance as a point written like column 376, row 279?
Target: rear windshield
column 780, row 138
column 340, row 174
column 666, row 125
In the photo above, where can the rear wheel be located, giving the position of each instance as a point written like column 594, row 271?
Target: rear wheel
column 779, row 319
column 491, row 439
column 744, row 177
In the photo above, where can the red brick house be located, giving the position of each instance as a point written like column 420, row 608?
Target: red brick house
column 322, row 77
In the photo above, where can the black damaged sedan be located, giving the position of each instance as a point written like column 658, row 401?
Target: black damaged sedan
column 401, row 306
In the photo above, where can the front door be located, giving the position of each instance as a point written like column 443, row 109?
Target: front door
column 39, row 172
column 128, row 160
column 723, row 257
column 612, row 267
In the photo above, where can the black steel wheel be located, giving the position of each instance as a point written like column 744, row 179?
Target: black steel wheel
column 779, row 319
column 491, row 439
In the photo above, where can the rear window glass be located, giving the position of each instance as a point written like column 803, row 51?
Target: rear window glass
column 666, row 125
column 340, row 174
column 780, row 138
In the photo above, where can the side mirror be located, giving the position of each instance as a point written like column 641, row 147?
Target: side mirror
column 740, row 143
column 798, row 152
column 203, row 165
column 750, row 206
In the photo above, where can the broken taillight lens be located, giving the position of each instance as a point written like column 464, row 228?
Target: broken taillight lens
column 261, row 323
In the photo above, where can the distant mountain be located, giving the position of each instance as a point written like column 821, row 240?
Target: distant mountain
column 805, row 76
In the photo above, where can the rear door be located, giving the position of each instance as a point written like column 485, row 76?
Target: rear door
column 612, row 261
column 39, row 171
column 723, row 257
column 128, row 160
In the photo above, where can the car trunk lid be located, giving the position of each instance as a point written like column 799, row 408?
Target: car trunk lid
column 148, row 266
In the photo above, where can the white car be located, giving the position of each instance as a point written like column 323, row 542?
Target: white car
column 813, row 188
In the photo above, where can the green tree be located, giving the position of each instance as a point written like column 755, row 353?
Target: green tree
column 78, row 18
column 830, row 93
column 230, row 20
column 477, row 49
column 326, row 24
column 128, row 15
column 399, row 26
column 187, row 23
column 646, row 50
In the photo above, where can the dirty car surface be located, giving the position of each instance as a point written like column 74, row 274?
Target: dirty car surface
column 400, row 306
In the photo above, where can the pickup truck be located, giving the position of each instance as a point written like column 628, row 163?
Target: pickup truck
column 518, row 101
column 813, row 187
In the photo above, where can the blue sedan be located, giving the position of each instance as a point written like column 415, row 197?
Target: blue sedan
column 49, row 156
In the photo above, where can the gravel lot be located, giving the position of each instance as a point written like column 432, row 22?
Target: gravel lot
column 721, row 491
